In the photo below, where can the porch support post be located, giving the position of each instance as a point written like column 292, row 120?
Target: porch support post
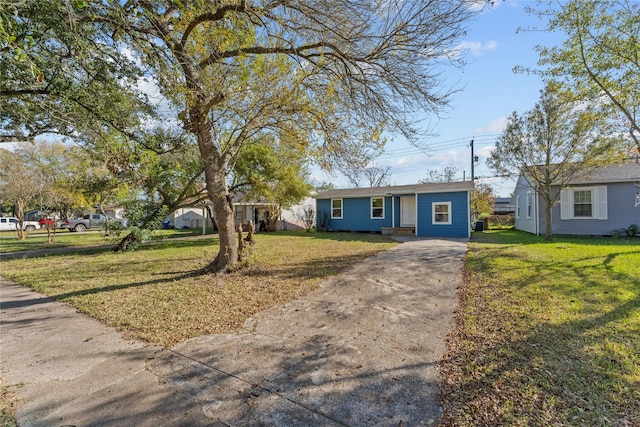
column 204, row 220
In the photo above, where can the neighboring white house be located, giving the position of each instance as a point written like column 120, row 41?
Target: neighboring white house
column 189, row 217
column 287, row 219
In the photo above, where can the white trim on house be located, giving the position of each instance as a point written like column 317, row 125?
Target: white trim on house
column 434, row 213
column 408, row 219
column 376, row 207
column 341, row 209
column 598, row 202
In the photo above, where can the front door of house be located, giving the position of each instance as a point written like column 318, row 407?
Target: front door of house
column 407, row 211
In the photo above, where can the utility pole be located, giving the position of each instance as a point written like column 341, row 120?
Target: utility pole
column 473, row 177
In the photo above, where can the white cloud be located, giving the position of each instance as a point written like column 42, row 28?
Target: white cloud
column 476, row 48
column 496, row 126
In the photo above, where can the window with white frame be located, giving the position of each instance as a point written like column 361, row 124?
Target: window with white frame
column 583, row 203
column 336, row 208
column 518, row 206
column 441, row 213
column 239, row 213
column 377, row 208
column 529, row 204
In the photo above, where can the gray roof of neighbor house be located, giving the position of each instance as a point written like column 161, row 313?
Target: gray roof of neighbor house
column 438, row 187
column 624, row 172
column 627, row 171
column 506, row 200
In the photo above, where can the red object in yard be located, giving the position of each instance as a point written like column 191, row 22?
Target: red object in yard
column 46, row 221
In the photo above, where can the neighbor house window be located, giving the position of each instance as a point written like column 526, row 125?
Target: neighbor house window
column 584, row 203
column 518, row 206
column 529, row 204
column 441, row 212
column 239, row 213
column 377, row 207
column 336, row 208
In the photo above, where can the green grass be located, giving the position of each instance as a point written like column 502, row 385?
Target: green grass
column 64, row 238
column 157, row 293
column 548, row 333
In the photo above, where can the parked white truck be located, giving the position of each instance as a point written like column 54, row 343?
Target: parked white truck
column 10, row 223
column 89, row 221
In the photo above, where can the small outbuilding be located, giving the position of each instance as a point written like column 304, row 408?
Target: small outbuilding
column 424, row 210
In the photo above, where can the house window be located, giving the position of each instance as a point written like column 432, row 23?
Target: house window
column 377, row 208
column 529, row 204
column 336, row 208
column 441, row 213
column 518, row 206
column 239, row 213
column 582, row 205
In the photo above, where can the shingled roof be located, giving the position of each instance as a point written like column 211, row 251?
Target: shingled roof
column 624, row 172
column 392, row 190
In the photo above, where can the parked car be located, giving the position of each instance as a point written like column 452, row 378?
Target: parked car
column 90, row 221
column 10, row 223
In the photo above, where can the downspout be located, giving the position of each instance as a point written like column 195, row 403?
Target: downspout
column 469, row 214
column 415, row 231
column 536, row 220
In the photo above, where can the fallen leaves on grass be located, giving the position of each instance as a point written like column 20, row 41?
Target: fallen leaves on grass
column 158, row 295
column 544, row 338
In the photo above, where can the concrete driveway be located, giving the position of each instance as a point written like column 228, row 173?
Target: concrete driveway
column 360, row 350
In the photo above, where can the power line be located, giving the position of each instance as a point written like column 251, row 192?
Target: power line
column 439, row 146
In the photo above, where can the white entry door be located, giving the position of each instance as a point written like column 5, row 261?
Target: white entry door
column 407, row 211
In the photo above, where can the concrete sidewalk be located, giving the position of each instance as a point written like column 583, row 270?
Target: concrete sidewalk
column 360, row 350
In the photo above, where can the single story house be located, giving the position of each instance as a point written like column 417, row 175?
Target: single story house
column 189, row 217
column 503, row 206
column 256, row 211
column 595, row 203
column 426, row 210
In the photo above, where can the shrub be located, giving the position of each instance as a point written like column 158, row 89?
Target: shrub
column 632, row 231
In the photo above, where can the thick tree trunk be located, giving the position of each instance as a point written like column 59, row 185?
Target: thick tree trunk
column 22, row 235
column 223, row 215
column 222, row 202
column 215, row 171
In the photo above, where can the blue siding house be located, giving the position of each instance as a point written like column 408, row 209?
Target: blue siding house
column 594, row 204
column 425, row 210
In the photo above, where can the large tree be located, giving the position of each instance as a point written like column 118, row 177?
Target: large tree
column 600, row 58
column 553, row 143
column 326, row 73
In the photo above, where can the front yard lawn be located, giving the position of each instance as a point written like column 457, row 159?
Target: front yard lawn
column 155, row 293
column 64, row 238
column 548, row 333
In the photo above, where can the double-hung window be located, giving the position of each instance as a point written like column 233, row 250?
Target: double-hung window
column 441, row 213
column 239, row 213
column 336, row 208
column 584, row 203
column 377, row 208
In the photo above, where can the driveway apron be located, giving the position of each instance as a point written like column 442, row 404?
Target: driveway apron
column 360, row 350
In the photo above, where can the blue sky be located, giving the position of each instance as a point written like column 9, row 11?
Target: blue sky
column 490, row 92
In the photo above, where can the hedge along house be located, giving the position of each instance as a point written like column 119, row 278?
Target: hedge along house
column 595, row 203
column 425, row 210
